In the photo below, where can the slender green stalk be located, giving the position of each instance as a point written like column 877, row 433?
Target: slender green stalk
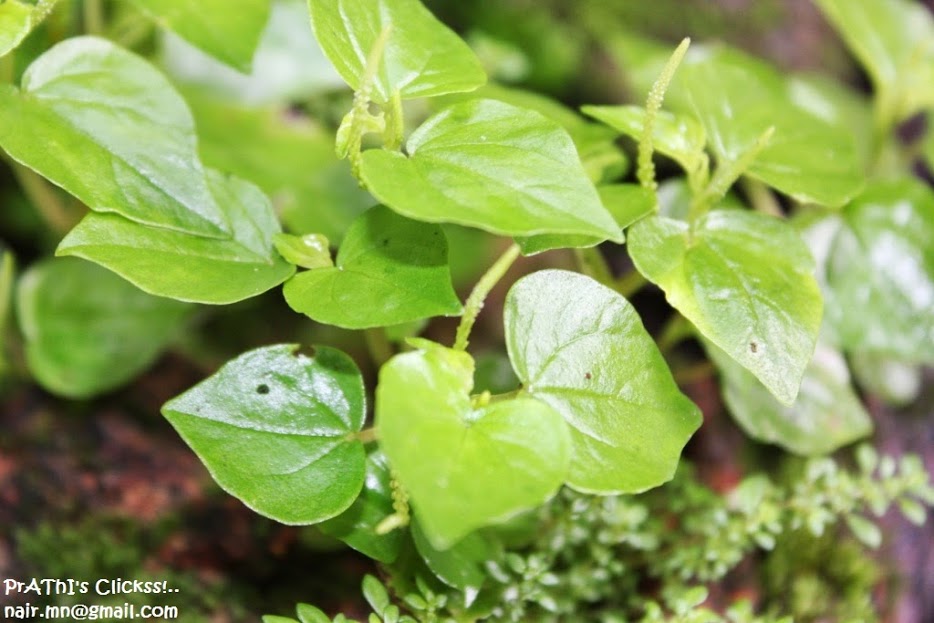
column 6, row 69
column 695, row 372
column 395, row 123
column 93, row 17
column 676, row 330
column 591, row 263
column 630, row 283
column 360, row 120
column 378, row 344
column 367, row 435
column 44, row 197
column 646, row 167
column 480, row 291
column 726, row 175
column 762, row 199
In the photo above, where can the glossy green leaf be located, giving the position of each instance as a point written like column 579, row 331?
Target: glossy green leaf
column 356, row 526
column 460, row 566
column 288, row 65
column 17, row 19
column 894, row 41
column 826, row 415
column 491, row 165
column 464, row 465
column 292, row 160
column 213, row 26
column 109, row 128
column 275, row 428
column 308, row 251
column 186, row 267
column 882, row 264
column 736, row 98
column 602, row 159
column 679, row 137
column 422, row 57
column 627, row 203
column 745, row 281
column 581, row 348
column 389, row 270
column 88, row 331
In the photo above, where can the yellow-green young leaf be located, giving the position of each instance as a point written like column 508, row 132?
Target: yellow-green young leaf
column 308, row 251
column 627, row 203
column 291, row 160
column 356, row 526
column 680, row 137
column 389, row 270
column 275, row 428
column 881, row 271
column 461, row 566
column 465, row 465
column 745, row 281
column 826, row 415
column 228, row 33
column 17, row 19
column 106, row 126
column 422, row 56
column 491, row 165
column 736, row 98
column 581, row 348
column 186, row 267
column 88, row 331
column 894, row 41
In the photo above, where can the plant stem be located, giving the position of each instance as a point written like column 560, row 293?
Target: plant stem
column 480, row 291
column 591, row 263
column 6, row 69
column 630, row 283
column 367, row 435
column 675, row 330
column 761, row 197
column 93, row 17
column 378, row 344
column 694, row 372
column 44, row 197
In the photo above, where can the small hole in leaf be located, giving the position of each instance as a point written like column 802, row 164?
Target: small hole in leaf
column 262, row 388
column 753, row 347
column 307, row 351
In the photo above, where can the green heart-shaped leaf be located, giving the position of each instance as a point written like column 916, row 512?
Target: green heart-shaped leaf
column 745, row 281
column 464, row 465
column 826, row 415
column 894, row 40
column 276, row 428
column 581, row 348
column 881, row 263
column 679, row 137
column 106, row 126
column 87, row 330
column 627, row 203
column 356, row 526
column 228, row 35
column 491, row 165
column 422, row 57
column 462, row 565
column 178, row 265
column 17, row 19
column 389, row 270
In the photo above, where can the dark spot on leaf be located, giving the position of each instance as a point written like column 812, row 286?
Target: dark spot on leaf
column 262, row 388
column 307, row 351
column 385, row 242
column 587, row 376
column 753, row 347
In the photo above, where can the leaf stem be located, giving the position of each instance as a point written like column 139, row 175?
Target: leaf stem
column 676, row 330
column 367, row 435
column 360, row 120
column 93, row 17
column 7, row 266
column 591, row 262
column 646, row 168
column 480, row 291
column 377, row 343
column 693, row 372
column 7, row 69
column 44, row 197
column 726, row 175
column 630, row 283
column 762, row 199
